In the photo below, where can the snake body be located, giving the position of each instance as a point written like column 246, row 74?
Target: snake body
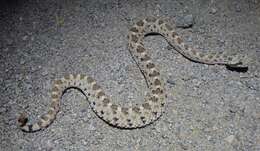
column 139, row 115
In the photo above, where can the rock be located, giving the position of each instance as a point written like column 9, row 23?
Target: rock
column 185, row 22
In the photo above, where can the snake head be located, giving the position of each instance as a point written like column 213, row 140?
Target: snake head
column 23, row 119
column 238, row 61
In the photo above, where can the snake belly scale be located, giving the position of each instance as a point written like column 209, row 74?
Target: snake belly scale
column 151, row 108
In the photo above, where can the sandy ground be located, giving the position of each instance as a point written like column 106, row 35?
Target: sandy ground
column 208, row 108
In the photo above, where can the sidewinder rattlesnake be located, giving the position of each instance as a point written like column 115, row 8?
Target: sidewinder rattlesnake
column 151, row 109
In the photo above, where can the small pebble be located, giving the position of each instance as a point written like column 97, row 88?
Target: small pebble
column 230, row 139
column 22, row 61
column 28, row 86
column 257, row 115
column 189, row 39
column 45, row 72
column 255, row 1
column 213, row 11
column 2, row 110
column 161, row 128
column 91, row 127
column 221, row 42
column 49, row 144
column 83, row 110
column 238, row 8
column 24, row 38
column 102, row 24
column 28, row 77
column 171, row 82
column 33, row 69
column 5, row 49
column 9, row 41
column 175, row 112
column 196, row 82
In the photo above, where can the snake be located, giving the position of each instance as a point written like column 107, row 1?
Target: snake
column 152, row 107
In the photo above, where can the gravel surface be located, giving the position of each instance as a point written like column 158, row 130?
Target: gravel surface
column 209, row 107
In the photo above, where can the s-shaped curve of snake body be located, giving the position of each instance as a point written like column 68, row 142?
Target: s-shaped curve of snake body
column 138, row 115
